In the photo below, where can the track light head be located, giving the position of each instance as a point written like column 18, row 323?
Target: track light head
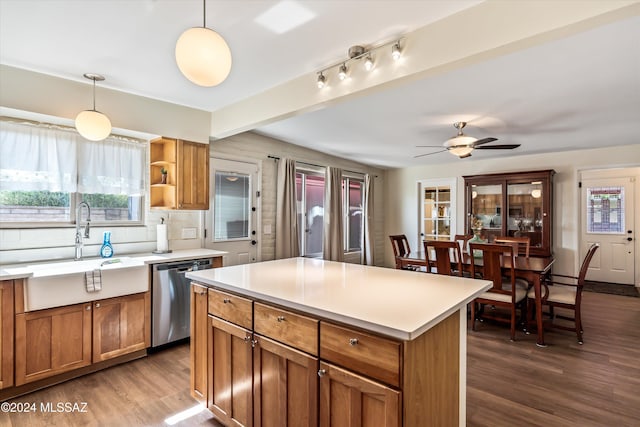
column 322, row 80
column 395, row 51
column 342, row 74
column 368, row 63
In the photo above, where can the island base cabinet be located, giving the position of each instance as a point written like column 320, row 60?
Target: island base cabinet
column 285, row 386
column 199, row 342
column 120, row 326
column 349, row 400
column 230, row 394
column 6, row 333
column 52, row 341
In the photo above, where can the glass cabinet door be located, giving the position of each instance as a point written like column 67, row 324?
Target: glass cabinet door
column 525, row 210
column 486, row 210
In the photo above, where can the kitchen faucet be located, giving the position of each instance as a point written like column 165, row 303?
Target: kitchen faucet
column 79, row 243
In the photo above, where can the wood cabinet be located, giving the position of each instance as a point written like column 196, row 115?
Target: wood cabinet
column 121, row 325
column 231, row 357
column 285, row 385
column 6, row 333
column 52, row 341
column 350, row 400
column 199, row 342
column 186, row 185
column 512, row 204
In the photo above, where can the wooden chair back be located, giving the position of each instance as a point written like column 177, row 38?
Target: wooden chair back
column 444, row 249
column 462, row 240
column 582, row 276
column 400, row 245
column 492, row 269
column 523, row 243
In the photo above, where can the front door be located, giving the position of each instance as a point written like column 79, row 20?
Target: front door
column 607, row 200
column 232, row 223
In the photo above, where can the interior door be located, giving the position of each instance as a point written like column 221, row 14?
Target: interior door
column 232, row 223
column 608, row 219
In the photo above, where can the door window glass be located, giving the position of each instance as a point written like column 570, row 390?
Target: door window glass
column 232, row 201
column 605, row 210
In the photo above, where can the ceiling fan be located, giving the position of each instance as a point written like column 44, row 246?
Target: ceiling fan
column 462, row 145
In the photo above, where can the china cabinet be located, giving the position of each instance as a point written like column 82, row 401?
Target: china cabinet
column 512, row 204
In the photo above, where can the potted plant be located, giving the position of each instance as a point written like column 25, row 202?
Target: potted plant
column 163, row 176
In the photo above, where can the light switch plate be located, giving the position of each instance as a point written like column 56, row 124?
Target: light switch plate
column 189, row 233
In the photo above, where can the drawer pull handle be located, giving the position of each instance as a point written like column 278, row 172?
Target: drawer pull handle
column 280, row 319
column 226, row 301
column 353, row 341
column 322, row 372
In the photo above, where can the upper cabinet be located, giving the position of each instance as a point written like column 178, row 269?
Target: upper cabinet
column 512, row 204
column 179, row 174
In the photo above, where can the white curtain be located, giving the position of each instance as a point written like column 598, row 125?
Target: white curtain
column 111, row 166
column 367, row 235
column 287, row 243
column 333, row 243
column 37, row 158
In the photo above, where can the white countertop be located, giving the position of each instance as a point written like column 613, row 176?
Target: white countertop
column 397, row 303
column 24, row 270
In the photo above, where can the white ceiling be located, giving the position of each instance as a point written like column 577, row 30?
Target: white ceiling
column 576, row 92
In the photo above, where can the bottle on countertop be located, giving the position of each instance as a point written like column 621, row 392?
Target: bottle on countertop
column 106, row 251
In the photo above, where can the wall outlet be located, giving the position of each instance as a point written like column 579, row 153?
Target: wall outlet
column 189, row 233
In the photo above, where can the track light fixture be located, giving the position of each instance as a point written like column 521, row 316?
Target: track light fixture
column 356, row 53
column 322, row 80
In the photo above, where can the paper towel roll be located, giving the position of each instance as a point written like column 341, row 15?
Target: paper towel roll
column 161, row 234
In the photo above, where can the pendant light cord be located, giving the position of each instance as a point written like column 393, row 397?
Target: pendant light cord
column 204, row 13
column 94, row 94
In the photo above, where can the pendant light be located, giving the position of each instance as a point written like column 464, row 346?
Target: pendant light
column 92, row 124
column 202, row 55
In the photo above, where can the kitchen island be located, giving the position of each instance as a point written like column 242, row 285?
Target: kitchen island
column 305, row 342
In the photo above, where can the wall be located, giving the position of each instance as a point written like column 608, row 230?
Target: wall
column 401, row 190
column 35, row 96
column 250, row 145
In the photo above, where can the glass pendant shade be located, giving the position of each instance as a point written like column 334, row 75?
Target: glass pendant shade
column 460, row 145
column 93, row 125
column 203, row 56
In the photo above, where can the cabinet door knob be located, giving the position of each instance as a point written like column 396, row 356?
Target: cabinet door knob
column 97, row 305
column 280, row 319
column 226, row 301
column 322, row 372
column 247, row 338
column 88, row 308
column 353, row 341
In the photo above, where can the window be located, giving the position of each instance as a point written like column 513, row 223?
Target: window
column 232, row 206
column 310, row 203
column 46, row 170
column 605, row 210
column 352, row 200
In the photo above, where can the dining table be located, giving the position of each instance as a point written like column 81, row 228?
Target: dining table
column 531, row 269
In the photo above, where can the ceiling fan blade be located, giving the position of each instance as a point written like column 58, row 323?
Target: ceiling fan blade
column 428, row 154
column 499, row 147
column 484, row 141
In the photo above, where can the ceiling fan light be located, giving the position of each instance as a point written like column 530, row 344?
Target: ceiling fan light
column 203, row 56
column 461, row 150
column 93, row 125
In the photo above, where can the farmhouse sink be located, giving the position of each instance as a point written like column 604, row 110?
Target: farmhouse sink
column 57, row 284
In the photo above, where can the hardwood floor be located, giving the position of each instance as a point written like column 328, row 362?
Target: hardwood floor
column 508, row 383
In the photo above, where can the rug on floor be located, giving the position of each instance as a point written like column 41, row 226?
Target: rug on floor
column 612, row 288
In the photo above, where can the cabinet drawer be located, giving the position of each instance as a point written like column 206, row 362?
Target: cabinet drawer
column 231, row 307
column 372, row 356
column 289, row 328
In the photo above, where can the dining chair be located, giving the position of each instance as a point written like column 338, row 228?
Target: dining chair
column 504, row 291
column 523, row 243
column 401, row 248
column 564, row 291
column 443, row 250
column 462, row 240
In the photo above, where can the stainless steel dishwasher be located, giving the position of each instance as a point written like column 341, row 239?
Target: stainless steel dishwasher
column 170, row 296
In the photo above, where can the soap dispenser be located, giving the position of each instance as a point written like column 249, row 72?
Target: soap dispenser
column 106, row 251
